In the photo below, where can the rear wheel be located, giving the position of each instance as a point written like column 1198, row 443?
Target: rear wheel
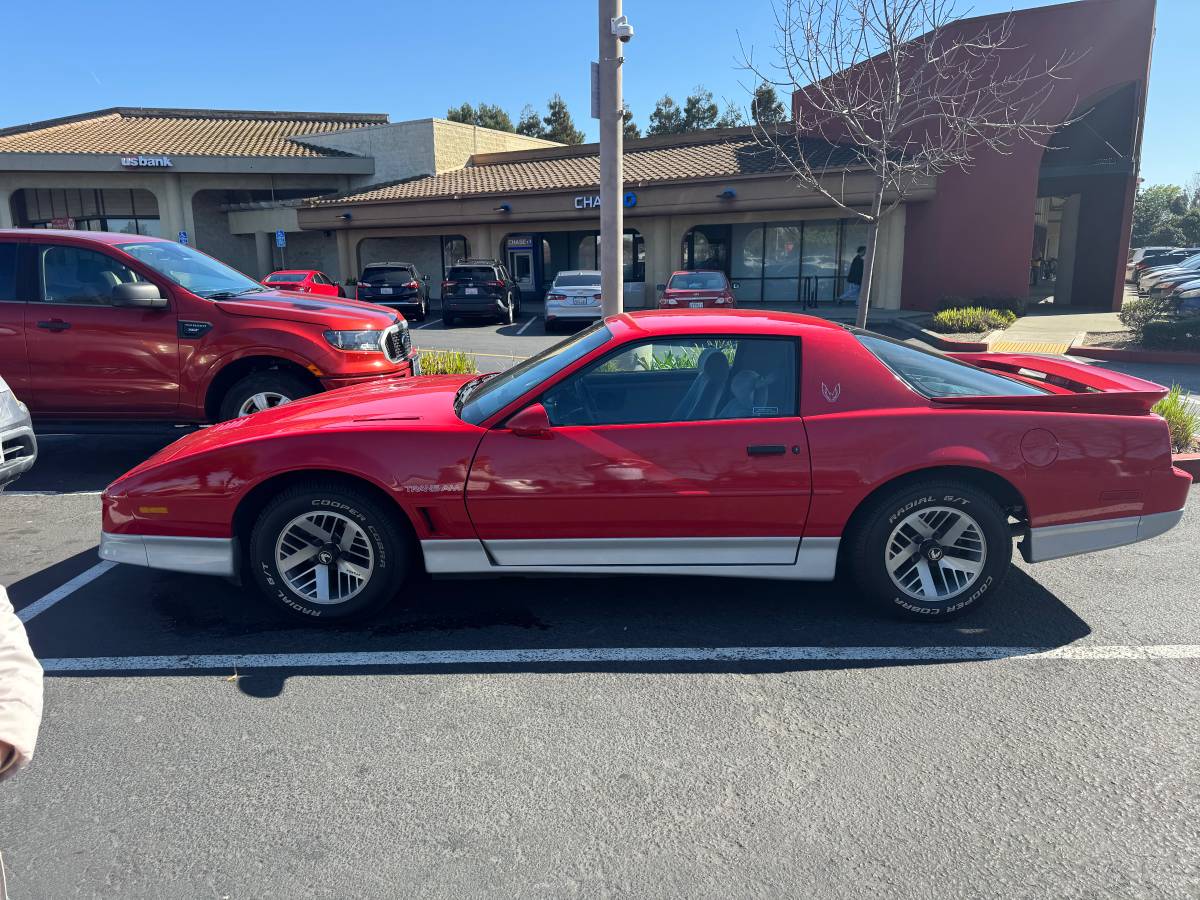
column 506, row 313
column 325, row 551
column 259, row 391
column 931, row 550
column 447, row 319
column 422, row 311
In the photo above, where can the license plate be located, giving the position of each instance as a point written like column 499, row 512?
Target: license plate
column 696, row 304
column 579, row 301
column 471, row 291
column 385, row 290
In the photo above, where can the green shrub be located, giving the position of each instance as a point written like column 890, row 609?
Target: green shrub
column 1014, row 305
column 1137, row 314
column 971, row 320
column 1182, row 418
column 1173, row 334
column 447, row 362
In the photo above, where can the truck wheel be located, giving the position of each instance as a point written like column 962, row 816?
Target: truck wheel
column 931, row 551
column 259, row 391
column 323, row 551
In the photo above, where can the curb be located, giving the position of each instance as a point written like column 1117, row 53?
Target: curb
column 942, row 343
column 1189, row 462
column 1182, row 357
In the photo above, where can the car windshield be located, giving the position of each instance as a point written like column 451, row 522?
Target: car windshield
column 697, row 281
column 191, row 269
column 577, row 281
column 472, row 273
column 389, row 275
column 286, row 276
column 481, row 399
column 934, row 375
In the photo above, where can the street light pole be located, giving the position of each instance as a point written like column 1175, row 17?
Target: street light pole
column 612, row 224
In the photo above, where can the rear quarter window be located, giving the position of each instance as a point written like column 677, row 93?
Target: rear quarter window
column 934, row 375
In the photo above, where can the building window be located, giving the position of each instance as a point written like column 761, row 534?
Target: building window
column 584, row 253
column 454, row 248
column 124, row 211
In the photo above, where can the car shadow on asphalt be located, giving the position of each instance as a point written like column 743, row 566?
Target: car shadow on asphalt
column 72, row 463
column 136, row 613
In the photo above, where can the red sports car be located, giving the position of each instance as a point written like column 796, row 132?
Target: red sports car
column 750, row 444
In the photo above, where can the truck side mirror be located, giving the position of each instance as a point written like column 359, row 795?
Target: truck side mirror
column 138, row 295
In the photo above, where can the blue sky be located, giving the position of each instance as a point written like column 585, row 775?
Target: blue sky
column 415, row 59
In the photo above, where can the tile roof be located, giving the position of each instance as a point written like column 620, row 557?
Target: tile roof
column 183, row 132
column 719, row 154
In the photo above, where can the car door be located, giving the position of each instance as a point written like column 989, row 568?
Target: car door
column 14, row 359
column 323, row 285
column 88, row 358
column 666, row 452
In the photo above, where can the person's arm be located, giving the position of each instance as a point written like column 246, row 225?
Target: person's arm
column 20, row 692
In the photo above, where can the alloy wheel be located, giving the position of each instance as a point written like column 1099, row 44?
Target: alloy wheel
column 936, row 553
column 260, row 401
column 325, row 557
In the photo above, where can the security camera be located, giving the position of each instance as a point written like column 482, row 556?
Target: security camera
column 622, row 29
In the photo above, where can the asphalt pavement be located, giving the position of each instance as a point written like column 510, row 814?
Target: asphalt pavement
column 556, row 737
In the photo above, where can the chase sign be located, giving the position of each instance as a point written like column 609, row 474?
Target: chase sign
column 146, row 162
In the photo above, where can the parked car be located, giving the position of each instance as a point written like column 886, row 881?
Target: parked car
column 304, row 281
column 1152, row 279
column 480, row 288
column 721, row 443
column 697, row 290
column 573, row 297
column 1160, row 260
column 18, row 446
column 122, row 330
column 396, row 285
column 1136, row 255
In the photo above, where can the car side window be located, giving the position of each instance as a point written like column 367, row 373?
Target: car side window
column 320, row 279
column 8, row 272
column 78, row 275
column 682, row 380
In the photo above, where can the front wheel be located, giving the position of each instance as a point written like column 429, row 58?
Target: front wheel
column 259, row 391
column 932, row 550
column 324, row 551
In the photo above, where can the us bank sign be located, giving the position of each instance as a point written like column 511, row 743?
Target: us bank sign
column 146, row 162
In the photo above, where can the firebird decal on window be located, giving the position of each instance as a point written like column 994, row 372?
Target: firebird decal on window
column 831, row 393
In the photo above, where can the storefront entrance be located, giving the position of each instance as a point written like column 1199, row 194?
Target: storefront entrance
column 520, row 262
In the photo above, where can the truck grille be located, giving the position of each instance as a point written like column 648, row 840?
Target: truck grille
column 397, row 343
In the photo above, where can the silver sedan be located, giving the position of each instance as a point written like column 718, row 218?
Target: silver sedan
column 573, row 297
column 18, row 446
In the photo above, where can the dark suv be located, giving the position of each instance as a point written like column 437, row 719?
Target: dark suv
column 396, row 285
column 480, row 288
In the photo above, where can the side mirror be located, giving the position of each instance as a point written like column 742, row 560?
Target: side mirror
column 532, row 421
column 660, row 287
column 138, row 295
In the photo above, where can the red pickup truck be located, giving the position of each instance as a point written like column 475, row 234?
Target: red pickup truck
column 99, row 328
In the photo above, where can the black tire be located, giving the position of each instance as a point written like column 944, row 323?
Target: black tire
column 390, row 548
column 447, row 319
column 422, row 312
column 341, row 292
column 871, row 542
column 506, row 314
column 269, row 382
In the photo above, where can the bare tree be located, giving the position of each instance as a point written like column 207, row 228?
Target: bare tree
column 899, row 90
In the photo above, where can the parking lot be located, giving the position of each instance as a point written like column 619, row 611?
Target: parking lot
column 558, row 737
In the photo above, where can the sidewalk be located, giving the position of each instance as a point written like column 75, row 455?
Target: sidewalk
column 1051, row 332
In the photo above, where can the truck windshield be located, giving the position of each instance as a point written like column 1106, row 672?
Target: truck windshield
column 480, row 399
column 192, row 270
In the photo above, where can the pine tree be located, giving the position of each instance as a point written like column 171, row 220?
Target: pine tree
column 667, row 117
column 485, row 116
column 731, row 117
column 699, row 111
column 530, row 123
column 765, row 107
column 559, row 126
column 465, row 114
column 629, row 127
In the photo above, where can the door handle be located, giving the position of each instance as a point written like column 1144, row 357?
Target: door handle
column 54, row 325
column 766, row 450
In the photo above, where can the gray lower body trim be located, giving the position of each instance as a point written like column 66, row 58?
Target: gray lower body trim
column 199, row 556
column 1057, row 541
column 816, row 559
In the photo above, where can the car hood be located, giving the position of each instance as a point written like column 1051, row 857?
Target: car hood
column 332, row 312
column 421, row 402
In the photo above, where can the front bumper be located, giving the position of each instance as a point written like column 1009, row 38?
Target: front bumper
column 1057, row 541
column 195, row 555
column 18, row 446
column 403, row 369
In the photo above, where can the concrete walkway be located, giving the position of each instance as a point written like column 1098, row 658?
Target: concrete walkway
column 1051, row 332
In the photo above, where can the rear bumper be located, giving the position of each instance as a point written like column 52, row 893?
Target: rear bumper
column 1057, row 541
column 472, row 306
column 582, row 313
column 196, row 555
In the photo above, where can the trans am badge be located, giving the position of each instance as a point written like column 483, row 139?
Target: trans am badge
column 831, row 393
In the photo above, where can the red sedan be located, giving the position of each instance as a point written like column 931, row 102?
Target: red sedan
column 750, row 444
column 696, row 290
column 304, row 281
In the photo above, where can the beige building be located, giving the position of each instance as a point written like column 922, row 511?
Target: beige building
column 225, row 181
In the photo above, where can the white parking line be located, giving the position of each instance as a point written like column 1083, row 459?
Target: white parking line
column 83, row 578
column 427, row 324
column 619, row 655
column 521, row 330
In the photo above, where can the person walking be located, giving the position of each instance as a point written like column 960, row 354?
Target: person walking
column 854, row 278
column 20, row 699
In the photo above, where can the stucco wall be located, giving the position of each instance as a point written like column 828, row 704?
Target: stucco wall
column 213, row 237
column 454, row 143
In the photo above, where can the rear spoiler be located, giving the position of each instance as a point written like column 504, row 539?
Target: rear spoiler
column 1076, row 387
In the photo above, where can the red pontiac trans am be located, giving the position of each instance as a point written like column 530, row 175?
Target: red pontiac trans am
column 699, row 442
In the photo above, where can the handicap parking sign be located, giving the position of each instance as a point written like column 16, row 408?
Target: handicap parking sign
column 280, row 238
